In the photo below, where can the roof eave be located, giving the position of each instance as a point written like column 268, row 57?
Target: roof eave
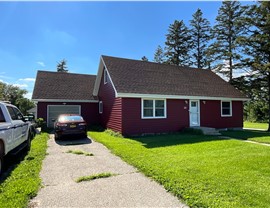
column 137, row 95
column 65, row 101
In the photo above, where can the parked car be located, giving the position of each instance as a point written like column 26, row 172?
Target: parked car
column 69, row 124
column 15, row 133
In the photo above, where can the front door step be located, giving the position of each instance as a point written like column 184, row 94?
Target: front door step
column 208, row 131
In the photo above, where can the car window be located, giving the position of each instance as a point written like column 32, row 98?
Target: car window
column 2, row 118
column 70, row 118
column 15, row 114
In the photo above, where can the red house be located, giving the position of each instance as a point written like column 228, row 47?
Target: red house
column 136, row 97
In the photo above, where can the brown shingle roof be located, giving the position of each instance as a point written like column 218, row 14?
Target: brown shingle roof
column 142, row 77
column 63, row 86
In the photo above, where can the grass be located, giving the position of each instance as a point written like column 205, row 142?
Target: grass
column 203, row 171
column 255, row 125
column 79, row 152
column 23, row 182
column 93, row 177
column 251, row 135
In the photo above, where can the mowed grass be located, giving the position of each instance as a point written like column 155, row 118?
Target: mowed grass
column 203, row 171
column 251, row 135
column 23, row 182
column 94, row 177
column 255, row 125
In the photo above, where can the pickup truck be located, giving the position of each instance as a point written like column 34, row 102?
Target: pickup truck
column 15, row 133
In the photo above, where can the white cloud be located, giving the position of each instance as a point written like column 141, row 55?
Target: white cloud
column 41, row 63
column 20, row 85
column 28, row 79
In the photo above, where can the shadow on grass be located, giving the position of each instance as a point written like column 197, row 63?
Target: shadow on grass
column 245, row 134
column 11, row 162
column 175, row 139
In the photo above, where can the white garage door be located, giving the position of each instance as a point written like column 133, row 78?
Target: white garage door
column 55, row 110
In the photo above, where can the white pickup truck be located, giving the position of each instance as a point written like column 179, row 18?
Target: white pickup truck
column 14, row 131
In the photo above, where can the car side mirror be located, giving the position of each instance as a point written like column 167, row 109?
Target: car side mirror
column 53, row 120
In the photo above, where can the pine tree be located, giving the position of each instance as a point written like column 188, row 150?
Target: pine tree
column 257, row 49
column 200, row 36
column 227, row 29
column 177, row 44
column 144, row 58
column 62, row 66
column 159, row 55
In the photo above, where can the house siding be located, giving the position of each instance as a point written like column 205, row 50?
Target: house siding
column 177, row 118
column 211, row 115
column 89, row 111
column 112, row 107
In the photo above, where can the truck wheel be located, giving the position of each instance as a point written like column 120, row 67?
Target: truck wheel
column 1, row 158
column 28, row 142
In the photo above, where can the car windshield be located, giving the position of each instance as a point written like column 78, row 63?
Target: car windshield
column 70, row 118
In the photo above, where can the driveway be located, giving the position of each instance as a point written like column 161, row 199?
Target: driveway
column 128, row 188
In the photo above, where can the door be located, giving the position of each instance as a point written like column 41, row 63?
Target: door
column 194, row 113
column 19, row 127
column 55, row 110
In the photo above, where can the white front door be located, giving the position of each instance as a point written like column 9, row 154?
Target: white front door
column 194, row 113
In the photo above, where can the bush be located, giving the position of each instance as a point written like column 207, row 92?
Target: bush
column 113, row 133
column 193, row 131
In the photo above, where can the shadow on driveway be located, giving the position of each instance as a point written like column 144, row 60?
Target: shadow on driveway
column 73, row 141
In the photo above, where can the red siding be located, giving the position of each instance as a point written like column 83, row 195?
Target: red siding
column 211, row 115
column 112, row 107
column 133, row 124
column 89, row 111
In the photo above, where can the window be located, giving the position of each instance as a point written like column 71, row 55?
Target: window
column 152, row 108
column 226, row 108
column 15, row 114
column 2, row 118
column 100, row 107
column 105, row 76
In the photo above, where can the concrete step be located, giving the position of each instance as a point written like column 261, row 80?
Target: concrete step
column 208, row 131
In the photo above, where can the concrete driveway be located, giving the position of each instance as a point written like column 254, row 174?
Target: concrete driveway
column 128, row 189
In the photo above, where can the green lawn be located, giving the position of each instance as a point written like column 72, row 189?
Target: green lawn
column 204, row 171
column 23, row 180
column 255, row 125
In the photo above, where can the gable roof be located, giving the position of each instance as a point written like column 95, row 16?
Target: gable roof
column 142, row 77
column 63, row 86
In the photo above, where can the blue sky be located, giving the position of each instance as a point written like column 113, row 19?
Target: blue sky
column 36, row 35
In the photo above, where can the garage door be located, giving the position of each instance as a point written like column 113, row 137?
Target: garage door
column 55, row 110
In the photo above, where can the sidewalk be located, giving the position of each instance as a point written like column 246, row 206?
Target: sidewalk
column 128, row 189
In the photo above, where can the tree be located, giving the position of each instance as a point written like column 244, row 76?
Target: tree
column 15, row 96
column 144, row 58
column 227, row 29
column 200, row 36
column 257, row 49
column 177, row 44
column 159, row 56
column 62, row 66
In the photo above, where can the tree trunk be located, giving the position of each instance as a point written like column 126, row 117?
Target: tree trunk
column 268, row 102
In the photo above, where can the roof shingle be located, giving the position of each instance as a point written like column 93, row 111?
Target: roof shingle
column 142, row 77
column 63, row 86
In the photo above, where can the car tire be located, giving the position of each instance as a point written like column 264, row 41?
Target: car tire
column 1, row 158
column 56, row 136
column 28, row 142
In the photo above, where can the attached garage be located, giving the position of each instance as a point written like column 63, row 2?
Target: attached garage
column 55, row 110
column 58, row 93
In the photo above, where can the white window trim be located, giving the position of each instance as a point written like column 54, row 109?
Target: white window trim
column 230, row 115
column 100, row 110
column 154, row 108
column 105, row 76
